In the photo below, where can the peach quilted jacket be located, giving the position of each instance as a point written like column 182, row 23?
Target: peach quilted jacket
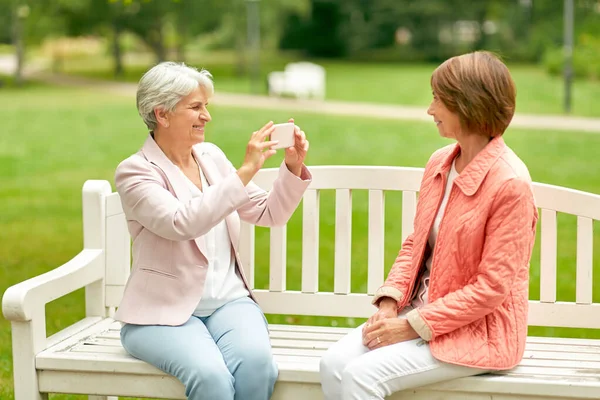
column 476, row 313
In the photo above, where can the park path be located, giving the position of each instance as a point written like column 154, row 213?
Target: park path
column 345, row 108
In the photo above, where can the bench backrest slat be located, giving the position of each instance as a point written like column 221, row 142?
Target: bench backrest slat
column 347, row 182
column 585, row 244
column 310, row 241
column 247, row 247
column 118, row 251
column 376, row 240
column 343, row 241
column 548, row 255
column 278, row 263
column 409, row 209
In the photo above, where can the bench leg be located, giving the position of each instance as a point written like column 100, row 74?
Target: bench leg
column 27, row 339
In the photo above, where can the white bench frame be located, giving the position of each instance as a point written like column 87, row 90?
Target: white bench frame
column 302, row 80
column 87, row 357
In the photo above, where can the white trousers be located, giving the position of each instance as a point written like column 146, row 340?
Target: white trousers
column 350, row 371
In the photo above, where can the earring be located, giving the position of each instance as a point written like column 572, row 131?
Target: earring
column 167, row 125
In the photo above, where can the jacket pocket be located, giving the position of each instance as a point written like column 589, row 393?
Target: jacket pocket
column 157, row 272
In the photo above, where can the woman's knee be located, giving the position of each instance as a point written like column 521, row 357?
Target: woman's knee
column 358, row 378
column 332, row 363
column 201, row 381
column 257, row 360
column 256, row 372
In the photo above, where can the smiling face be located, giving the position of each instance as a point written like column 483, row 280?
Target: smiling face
column 187, row 122
column 447, row 122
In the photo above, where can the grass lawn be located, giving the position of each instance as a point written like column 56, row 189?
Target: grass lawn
column 54, row 139
column 406, row 84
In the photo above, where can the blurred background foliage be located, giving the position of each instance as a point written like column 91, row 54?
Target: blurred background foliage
column 522, row 31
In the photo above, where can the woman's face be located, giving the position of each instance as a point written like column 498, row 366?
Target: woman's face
column 447, row 122
column 189, row 119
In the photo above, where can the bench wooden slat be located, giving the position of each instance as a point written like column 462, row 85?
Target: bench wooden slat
column 298, row 352
column 310, row 241
column 277, row 264
column 376, row 240
column 409, row 209
column 307, row 328
column 583, row 366
column 566, row 200
column 343, row 241
column 322, row 304
column 94, row 341
column 301, row 344
column 113, row 205
column 110, row 335
column 562, row 355
column 353, row 177
column 551, row 372
column 247, row 245
column 563, row 348
column 100, row 349
column 118, row 256
column 594, row 343
column 295, row 335
column 565, row 314
column 585, row 245
column 548, row 256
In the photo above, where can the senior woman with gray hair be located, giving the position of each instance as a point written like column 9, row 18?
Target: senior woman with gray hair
column 187, row 307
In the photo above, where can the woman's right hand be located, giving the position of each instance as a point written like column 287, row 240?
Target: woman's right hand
column 257, row 152
column 388, row 308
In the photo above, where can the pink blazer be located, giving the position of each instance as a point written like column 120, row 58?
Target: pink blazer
column 478, row 290
column 168, row 226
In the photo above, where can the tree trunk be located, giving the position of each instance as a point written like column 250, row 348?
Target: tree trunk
column 240, row 55
column 481, row 42
column 159, row 50
column 181, row 39
column 157, row 42
column 19, row 43
column 116, row 47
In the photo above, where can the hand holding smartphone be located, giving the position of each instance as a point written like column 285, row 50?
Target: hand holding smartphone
column 284, row 133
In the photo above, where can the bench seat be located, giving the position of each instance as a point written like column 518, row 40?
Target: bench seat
column 552, row 368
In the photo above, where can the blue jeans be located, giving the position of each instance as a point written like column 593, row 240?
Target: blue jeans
column 226, row 355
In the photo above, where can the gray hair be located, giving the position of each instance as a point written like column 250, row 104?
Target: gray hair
column 165, row 84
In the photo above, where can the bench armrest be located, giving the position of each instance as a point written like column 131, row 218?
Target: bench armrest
column 20, row 301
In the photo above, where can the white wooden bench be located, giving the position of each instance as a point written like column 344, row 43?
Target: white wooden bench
column 87, row 357
column 301, row 80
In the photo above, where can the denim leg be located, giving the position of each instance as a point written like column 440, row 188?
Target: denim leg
column 187, row 352
column 240, row 330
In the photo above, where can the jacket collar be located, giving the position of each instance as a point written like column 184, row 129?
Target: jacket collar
column 155, row 155
column 472, row 176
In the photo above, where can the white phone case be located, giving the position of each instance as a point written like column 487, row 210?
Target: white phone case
column 284, row 133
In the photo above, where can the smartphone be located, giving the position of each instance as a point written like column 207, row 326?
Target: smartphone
column 284, row 133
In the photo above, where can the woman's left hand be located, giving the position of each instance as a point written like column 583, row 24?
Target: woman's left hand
column 294, row 156
column 388, row 331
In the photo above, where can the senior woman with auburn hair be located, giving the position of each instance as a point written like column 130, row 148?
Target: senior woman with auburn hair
column 455, row 301
column 187, row 308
